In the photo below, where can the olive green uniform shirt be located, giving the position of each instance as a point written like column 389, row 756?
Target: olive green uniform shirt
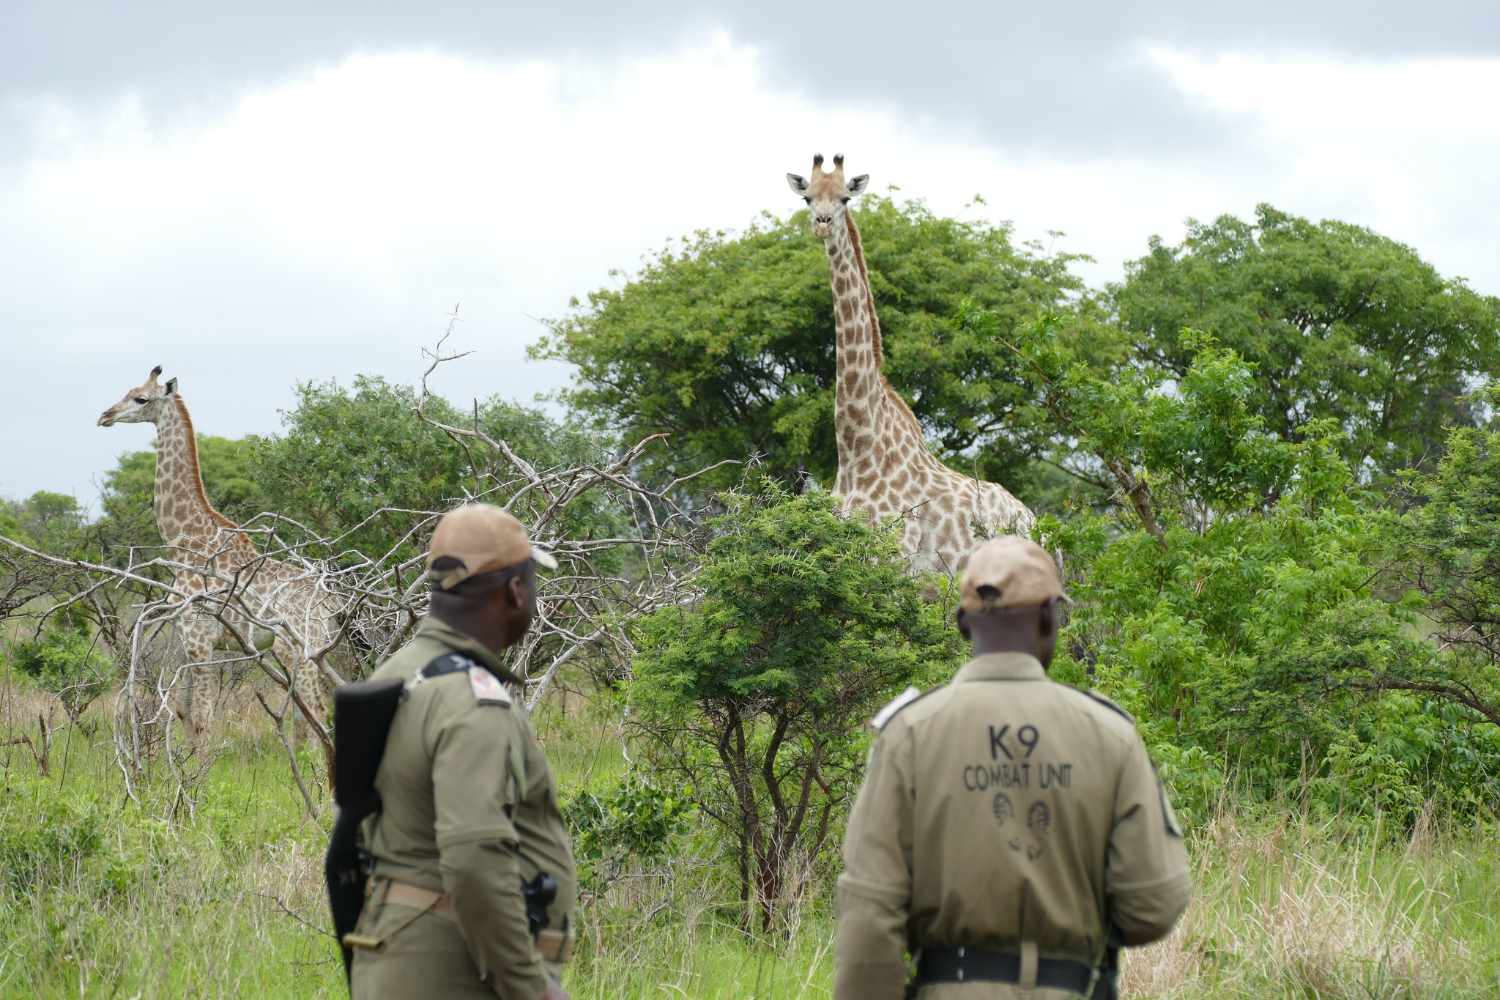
column 468, row 808
column 999, row 810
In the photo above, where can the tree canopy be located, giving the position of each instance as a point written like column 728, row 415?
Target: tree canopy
column 726, row 340
column 1240, row 589
column 1336, row 321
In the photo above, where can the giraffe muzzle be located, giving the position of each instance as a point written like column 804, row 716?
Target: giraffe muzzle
column 105, row 419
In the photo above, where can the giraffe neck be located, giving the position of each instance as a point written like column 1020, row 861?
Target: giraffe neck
column 866, row 411
column 183, row 513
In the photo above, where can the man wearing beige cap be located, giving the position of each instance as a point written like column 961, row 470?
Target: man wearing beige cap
column 468, row 838
column 1009, row 827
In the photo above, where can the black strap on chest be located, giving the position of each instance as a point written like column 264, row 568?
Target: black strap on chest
column 448, row 663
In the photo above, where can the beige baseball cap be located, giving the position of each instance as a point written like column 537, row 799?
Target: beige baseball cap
column 482, row 538
column 1019, row 569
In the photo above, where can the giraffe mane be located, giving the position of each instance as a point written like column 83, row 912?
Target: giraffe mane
column 903, row 408
column 864, row 274
column 197, row 473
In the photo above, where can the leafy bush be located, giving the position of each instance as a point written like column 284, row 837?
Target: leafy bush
column 67, row 662
column 1195, row 779
column 752, row 698
column 635, row 822
column 1238, row 606
column 59, row 837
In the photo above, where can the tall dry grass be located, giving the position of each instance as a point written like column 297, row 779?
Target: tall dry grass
column 103, row 896
column 1288, row 906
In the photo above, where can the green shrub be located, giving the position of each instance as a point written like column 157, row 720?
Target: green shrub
column 753, row 697
column 47, row 838
column 634, row 822
column 67, row 662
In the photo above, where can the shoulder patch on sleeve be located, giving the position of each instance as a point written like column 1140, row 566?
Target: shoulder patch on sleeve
column 1108, row 704
column 896, row 704
column 487, row 687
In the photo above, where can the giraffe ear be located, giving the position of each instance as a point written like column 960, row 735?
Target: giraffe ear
column 797, row 183
column 859, row 184
column 171, row 386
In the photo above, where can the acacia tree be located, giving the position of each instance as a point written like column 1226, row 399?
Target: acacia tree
column 752, row 696
column 725, row 341
column 1338, row 323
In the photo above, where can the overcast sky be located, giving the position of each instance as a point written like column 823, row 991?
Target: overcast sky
column 282, row 192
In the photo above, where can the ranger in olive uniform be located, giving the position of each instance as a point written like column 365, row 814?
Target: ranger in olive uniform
column 1006, row 823
column 469, row 807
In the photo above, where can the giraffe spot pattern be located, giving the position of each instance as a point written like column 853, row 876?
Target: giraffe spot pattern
column 884, row 465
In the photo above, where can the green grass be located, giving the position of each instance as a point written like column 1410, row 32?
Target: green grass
column 102, row 896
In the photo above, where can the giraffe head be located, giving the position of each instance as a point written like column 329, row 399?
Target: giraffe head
column 143, row 403
column 826, row 193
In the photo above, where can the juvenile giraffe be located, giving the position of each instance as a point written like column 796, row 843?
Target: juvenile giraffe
column 885, row 468
column 198, row 535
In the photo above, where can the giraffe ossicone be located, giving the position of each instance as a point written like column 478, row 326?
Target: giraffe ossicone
column 885, row 468
column 284, row 596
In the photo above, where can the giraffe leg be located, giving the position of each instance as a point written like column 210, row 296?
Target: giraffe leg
column 198, row 643
column 306, row 680
column 310, row 690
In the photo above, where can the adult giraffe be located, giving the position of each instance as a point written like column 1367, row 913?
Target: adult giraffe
column 195, row 534
column 885, row 468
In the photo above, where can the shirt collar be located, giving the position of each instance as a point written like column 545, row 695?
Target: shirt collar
column 1001, row 667
column 462, row 642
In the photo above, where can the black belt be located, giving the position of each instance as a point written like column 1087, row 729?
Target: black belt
column 962, row 965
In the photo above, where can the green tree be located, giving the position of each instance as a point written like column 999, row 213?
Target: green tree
column 726, row 341
column 1337, row 322
column 51, row 521
column 752, row 698
column 10, row 522
column 1451, row 555
column 1233, row 593
column 348, row 453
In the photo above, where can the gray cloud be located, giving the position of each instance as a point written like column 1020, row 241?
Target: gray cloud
column 216, row 240
column 1042, row 77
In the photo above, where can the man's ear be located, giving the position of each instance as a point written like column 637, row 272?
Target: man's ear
column 515, row 592
column 520, row 590
column 1047, row 618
